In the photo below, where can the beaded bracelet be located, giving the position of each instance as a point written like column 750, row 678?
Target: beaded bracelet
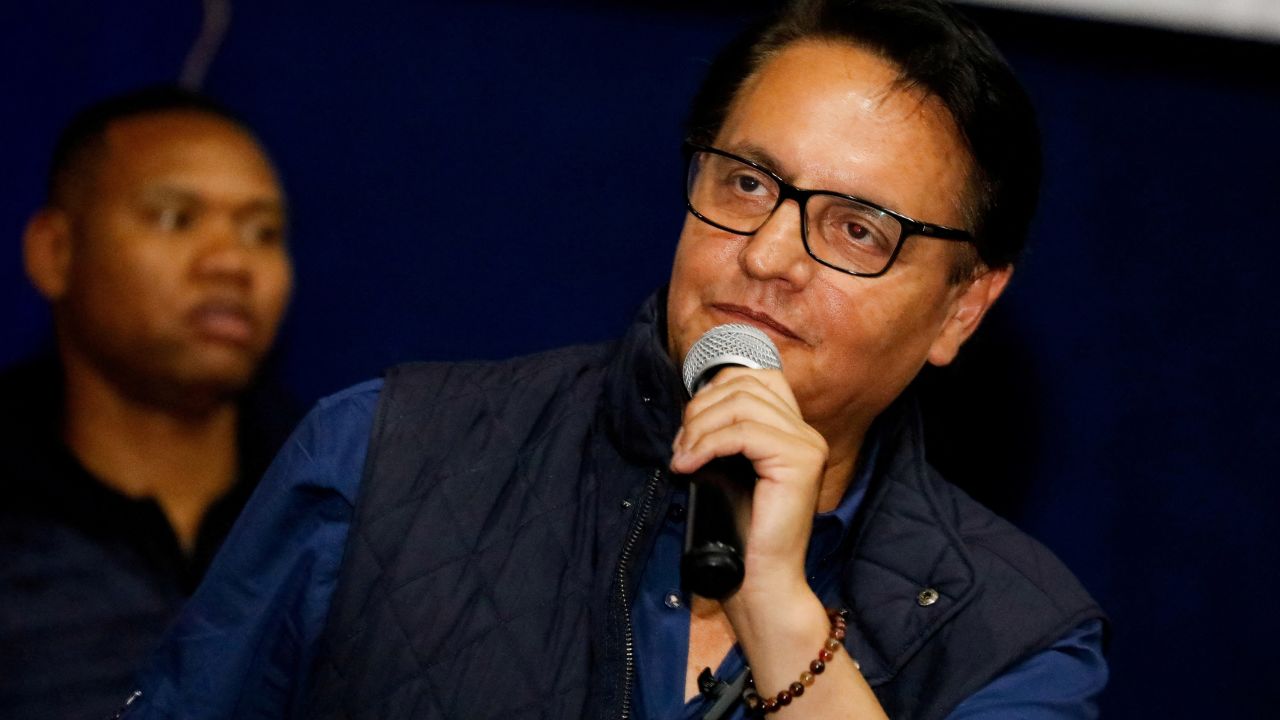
column 834, row 641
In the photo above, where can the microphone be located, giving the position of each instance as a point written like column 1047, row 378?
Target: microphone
column 712, row 564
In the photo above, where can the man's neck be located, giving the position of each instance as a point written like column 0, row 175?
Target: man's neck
column 182, row 459
column 836, row 478
column 843, row 450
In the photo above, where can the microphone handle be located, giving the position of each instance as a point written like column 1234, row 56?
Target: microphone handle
column 712, row 565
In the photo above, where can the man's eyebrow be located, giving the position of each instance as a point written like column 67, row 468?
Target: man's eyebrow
column 171, row 192
column 760, row 156
column 263, row 204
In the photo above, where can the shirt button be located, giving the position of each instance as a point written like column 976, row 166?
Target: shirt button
column 927, row 597
column 672, row 600
column 675, row 513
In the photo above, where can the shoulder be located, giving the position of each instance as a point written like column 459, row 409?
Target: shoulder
column 460, row 378
column 323, row 457
column 1026, row 601
column 358, row 400
column 937, row 576
column 1005, row 567
column 1000, row 549
column 442, row 400
column 329, row 445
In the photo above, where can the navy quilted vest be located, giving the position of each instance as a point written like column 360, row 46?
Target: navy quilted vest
column 504, row 518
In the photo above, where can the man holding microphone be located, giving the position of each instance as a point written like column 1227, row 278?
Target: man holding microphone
column 503, row 539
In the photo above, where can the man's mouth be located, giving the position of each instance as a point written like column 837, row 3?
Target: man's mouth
column 758, row 318
column 223, row 321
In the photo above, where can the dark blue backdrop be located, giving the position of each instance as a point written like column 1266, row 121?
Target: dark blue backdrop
column 485, row 179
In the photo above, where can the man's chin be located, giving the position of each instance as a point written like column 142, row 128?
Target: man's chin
column 226, row 377
column 212, row 380
column 202, row 396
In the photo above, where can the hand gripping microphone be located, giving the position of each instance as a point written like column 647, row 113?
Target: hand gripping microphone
column 712, row 563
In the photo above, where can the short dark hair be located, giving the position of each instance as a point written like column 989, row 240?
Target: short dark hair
column 938, row 50
column 84, row 133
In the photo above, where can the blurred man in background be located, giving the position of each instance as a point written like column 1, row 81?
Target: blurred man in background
column 130, row 448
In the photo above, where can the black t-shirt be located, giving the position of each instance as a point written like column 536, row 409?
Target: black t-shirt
column 89, row 578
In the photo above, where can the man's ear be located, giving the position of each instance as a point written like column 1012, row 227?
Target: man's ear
column 967, row 310
column 46, row 252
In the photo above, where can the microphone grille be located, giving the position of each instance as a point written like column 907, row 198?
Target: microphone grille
column 732, row 344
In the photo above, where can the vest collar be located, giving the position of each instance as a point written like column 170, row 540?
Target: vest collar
column 643, row 394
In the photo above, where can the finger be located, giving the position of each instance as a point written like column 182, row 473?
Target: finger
column 787, row 454
column 770, row 386
column 781, row 503
column 734, row 404
column 739, row 399
column 735, row 408
column 774, row 380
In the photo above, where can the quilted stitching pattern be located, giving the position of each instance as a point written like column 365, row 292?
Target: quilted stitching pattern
column 1003, row 596
column 495, row 531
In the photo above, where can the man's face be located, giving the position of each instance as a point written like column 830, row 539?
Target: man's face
column 828, row 116
column 178, row 273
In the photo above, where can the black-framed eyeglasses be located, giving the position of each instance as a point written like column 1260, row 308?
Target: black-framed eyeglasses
column 843, row 232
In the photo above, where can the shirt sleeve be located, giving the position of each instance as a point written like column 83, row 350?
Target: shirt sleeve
column 1061, row 682
column 242, row 645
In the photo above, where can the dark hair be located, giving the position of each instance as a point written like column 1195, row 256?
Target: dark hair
column 936, row 49
column 86, row 129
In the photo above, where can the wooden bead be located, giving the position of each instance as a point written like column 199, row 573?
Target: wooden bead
column 824, row 655
column 797, row 689
column 832, row 644
column 838, row 634
column 784, row 698
column 817, row 666
column 807, row 678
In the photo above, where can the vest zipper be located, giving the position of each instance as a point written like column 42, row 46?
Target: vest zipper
column 624, row 598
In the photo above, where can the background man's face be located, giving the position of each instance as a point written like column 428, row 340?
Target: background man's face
column 826, row 115
column 179, row 273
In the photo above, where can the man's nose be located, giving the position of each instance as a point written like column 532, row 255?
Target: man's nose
column 224, row 253
column 776, row 251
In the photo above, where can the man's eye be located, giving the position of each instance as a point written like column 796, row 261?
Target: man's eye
column 267, row 235
column 857, row 231
column 173, row 219
column 748, row 184
column 864, row 235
